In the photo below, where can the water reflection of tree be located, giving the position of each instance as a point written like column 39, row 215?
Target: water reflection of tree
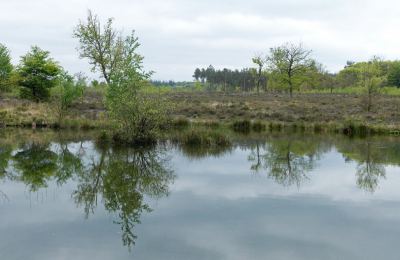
column 6, row 150
column 286, row 160
column 371, row 160
column 123, row 176
column 69, row 163
column 35, row 164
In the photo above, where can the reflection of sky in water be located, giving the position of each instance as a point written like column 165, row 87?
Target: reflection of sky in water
column 218, row 209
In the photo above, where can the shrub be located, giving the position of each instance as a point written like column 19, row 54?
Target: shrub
column 138, row 115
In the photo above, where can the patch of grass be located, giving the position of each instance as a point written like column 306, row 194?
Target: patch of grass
column 275, row 125
column 197, row 135
column 258, row 125
column 181, row 122
column 212, row 124
column 243, row 124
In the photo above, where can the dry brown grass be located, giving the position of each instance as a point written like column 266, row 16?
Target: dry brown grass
column 227, row 107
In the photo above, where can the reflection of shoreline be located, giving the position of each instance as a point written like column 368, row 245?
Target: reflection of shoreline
column 122, row 176
column 195, row 152
column 288, row 160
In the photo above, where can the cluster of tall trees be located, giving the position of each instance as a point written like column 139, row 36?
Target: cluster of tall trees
column 227, row 80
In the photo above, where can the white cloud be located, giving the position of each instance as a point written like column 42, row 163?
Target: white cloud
column 177, row 36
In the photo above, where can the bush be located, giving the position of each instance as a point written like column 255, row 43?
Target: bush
column 138, row 115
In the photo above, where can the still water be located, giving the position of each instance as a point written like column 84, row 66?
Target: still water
column 270, row 196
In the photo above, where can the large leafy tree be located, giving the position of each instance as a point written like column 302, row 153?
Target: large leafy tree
column 290, row 64
column 38, row 74
column 5, row 63
column 104, row 49
column 6, row 67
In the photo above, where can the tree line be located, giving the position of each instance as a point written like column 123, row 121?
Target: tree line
column 290, row 67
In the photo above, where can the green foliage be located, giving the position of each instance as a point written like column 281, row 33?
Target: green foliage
column 369, row 81
column 197, row 87
column 5, row 66
column 69, row 90
column 394, row 75
column 260, row 61
column 289, row 64
column 36, row 164
column 94, row 83
column 38, row 74
column 138, row 115
column 103, row 49
column 136, row 112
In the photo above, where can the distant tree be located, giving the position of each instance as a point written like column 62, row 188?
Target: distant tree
column 348, row 77
column 9, row 78
column 94, row 83
column 103, row 49
column 225, row 73
column 38, row 74
column 203, row 75
column 5, row 65
column 210, row 74
column 329, row 81
column 316, row 75
column 394, row 75
column 290, row 63
column 349, row 64
column 259, row 61
column 196, row 74
column 369, row 81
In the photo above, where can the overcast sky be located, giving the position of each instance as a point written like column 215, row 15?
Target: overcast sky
column 177, row 36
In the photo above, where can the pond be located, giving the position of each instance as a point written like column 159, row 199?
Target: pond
column 272, row 195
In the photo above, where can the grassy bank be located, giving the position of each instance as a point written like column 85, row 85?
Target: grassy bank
column 337, row 112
